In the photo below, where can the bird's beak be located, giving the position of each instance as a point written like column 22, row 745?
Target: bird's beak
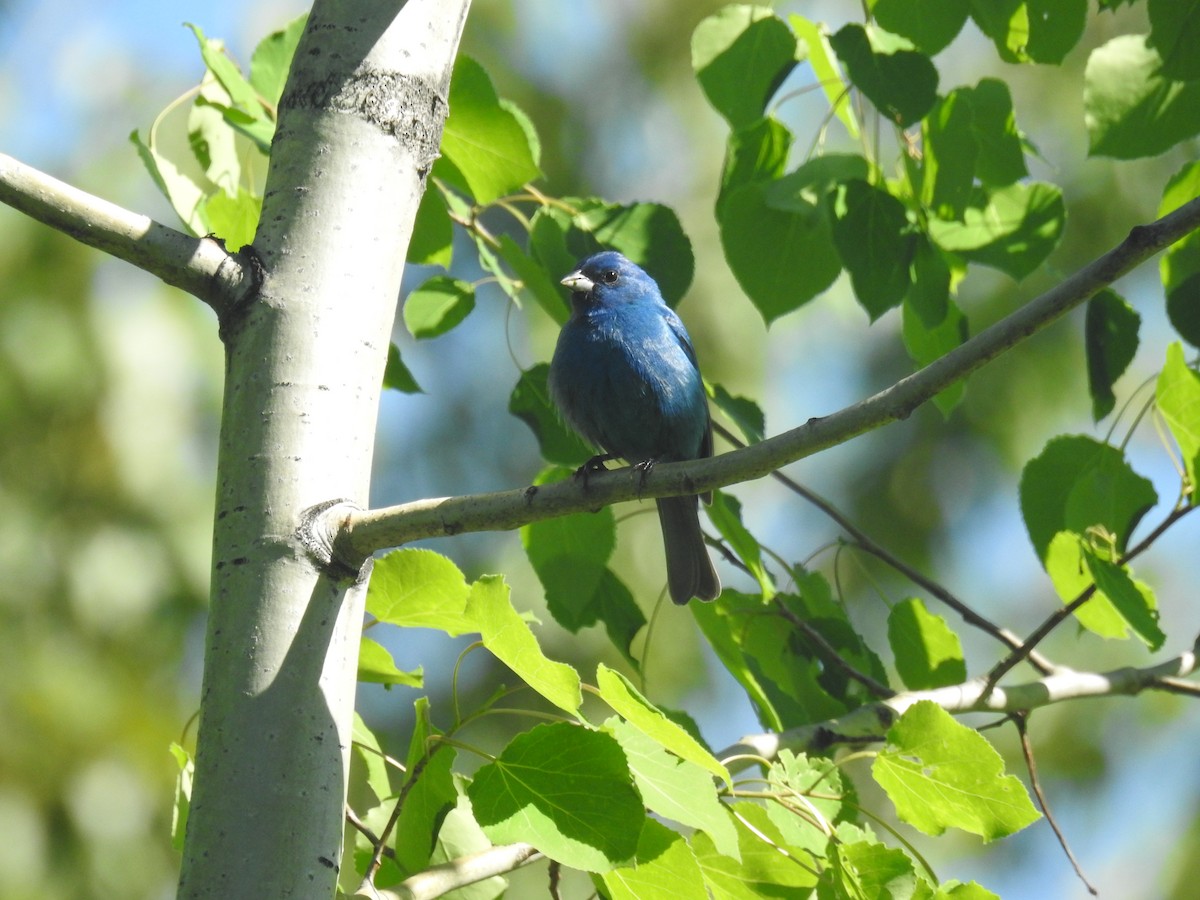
column 578, row 282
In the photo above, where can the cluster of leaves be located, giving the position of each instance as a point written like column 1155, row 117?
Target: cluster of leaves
column 581, row 788
column 905, row 231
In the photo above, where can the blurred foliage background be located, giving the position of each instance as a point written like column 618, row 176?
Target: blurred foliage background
column 110, row 385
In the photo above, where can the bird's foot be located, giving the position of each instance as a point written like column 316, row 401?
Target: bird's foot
column 593, row 465
column 643, row 469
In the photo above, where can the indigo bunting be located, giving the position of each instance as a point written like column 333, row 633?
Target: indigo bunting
column 624, row 376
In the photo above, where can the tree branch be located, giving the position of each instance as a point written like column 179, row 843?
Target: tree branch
column 355, row 534
column 441, row 879
column 867, row 724
column 200, row 266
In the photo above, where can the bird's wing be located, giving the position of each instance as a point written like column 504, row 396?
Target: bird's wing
column 676, row 325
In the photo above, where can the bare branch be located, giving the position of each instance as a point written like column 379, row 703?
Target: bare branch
column 200, row 266
column 868, row 723
column 438, row 880
column 359, row 533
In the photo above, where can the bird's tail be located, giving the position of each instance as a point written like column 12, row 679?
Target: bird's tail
column 690, row 572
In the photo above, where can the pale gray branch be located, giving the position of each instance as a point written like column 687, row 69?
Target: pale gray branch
column 442, row 879
column 869, row 723
column 359, row 533
column 200, row 266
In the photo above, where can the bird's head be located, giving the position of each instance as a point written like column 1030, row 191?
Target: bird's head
column 608, row 278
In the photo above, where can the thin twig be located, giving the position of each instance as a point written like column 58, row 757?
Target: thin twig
column 865, row 543
column 830, row 654
column 1021, row 720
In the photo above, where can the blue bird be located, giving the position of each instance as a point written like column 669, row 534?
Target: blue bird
column 624, row 376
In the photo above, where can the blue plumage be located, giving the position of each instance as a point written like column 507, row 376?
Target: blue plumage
column 624, row 375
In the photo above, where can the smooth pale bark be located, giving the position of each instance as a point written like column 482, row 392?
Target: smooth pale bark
column 359, row 126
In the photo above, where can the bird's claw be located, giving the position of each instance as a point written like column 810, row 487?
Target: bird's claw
column 643, row 469
column 593, row 465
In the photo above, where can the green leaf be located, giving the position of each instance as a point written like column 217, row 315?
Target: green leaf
column 741, row 411
column 1012, row 229
column 643, row 715
column 718, row 627
column 1039, row 31
column 756, row 153
column 867, row 868
column 675, row 788
column 725, row 513
column 396, row 376
column 508, row 637
column 1180, row 265
column 1110, row 340
column 419, row 589
column 225, row 70
column 433, row 234
column 1055, row 27
column 272, row 60
column 901, row 85
column 950, row 150
column 550, row 296
column 430, row 793
column 876, row 244
column 1177, row 396
column 941, row 774
column 765, row 867
column 233, row 219
column 741, row 54
column 813, row 39
column 1068, row 570
column 650, row 234
column 460, row 836
column 930, row 24
column 1001, row 159
column 182, row 805
column 185, row 193
column 1006, row 22
column 1077, row 484
column 664, row 869
column 485, row 142
column 1131, row 108
column 816, row 788
column 1132, row 599
column 928, row 652
column 1175, row 35
column 762, row 244
column 566, row 790
column 437, row 306
column 530, row 402
column 376, row 666
column 569, row 555
column 370, row 777
column 787, row 676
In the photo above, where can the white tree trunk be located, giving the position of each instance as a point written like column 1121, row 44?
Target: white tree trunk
column 359, row 126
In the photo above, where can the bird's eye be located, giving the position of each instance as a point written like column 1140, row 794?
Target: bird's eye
column 609, row 276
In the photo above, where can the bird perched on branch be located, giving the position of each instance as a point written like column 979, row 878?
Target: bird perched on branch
column 624, row 375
